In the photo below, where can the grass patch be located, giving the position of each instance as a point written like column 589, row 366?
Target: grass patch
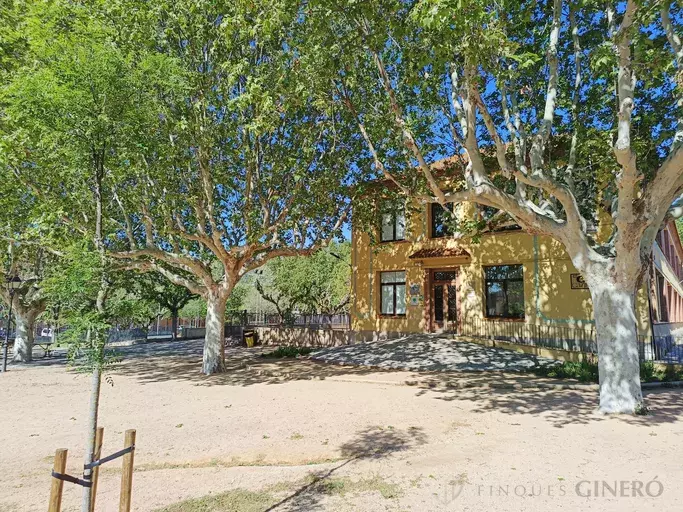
column 583, row 371
column 242, row 500
column 237, row 500
column 287, row 351
column 225, row 463
column 588, row 372
column 343, row 486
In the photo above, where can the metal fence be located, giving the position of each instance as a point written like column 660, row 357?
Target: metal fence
column 315, row 321
column 575, row 339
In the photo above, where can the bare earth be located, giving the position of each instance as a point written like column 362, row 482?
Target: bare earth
column 309, row 436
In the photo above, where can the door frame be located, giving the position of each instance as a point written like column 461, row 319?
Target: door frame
column 433, row 326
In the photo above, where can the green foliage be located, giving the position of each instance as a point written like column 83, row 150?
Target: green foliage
column 205, row 123
column 422, row 42
column 236, row 300
column 583, row 371
column 152, row 287
column 196, row 307
column 320, row 283
column 236, row 500
column 652, row 372
column 588, row 372
column 126, row 308
column 72, row 285
column 287, row 352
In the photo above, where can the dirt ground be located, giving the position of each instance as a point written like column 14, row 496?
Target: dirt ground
column 298, row 435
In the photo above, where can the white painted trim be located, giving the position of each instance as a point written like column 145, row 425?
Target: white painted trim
column 663, row 265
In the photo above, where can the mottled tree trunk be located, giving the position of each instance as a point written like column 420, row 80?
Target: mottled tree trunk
column 214, row 342
column 617, row 336
column 23, row 343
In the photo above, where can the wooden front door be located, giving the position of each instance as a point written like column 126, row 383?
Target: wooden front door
column 444, row 301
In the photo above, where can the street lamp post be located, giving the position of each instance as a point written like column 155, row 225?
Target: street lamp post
column 13, row 283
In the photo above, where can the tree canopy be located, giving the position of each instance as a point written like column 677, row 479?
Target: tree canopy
column 197, row 134
column 320, row 283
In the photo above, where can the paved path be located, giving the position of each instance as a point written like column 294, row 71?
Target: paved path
column 430, row 353
column 152, row 348
column 417, row 353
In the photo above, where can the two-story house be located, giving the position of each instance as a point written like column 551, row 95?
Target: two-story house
column 414, row 276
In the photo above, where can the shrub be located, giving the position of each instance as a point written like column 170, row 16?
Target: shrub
column 648, row 372
column 588, row 372
column 288, row 351
column 583, row 371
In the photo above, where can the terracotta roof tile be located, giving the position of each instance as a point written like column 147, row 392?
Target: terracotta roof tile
column 439, row 252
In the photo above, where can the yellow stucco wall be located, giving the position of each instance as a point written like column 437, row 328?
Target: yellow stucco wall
column 552, row 307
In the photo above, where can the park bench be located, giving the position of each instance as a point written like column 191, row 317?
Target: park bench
column 46, row 346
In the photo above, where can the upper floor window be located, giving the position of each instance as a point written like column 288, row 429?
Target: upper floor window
column 393, row 224
column 504, row 285
column 443, row 223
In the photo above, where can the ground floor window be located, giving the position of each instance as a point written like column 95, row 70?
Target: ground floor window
column 504, row 285
column 393, row 293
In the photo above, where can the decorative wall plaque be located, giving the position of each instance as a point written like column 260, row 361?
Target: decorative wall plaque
column 577, row 281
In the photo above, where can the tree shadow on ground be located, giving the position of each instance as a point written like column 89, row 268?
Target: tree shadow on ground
column 159, row 362
column 369, row 443
column 430, row 352
column 241, row 369
column 490, row 391
column 561, row 407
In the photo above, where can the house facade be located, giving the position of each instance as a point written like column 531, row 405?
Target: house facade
column 413, row 276
column 666, row 288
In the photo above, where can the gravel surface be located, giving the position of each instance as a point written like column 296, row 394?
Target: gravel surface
column 430, row 353
column 305, row 435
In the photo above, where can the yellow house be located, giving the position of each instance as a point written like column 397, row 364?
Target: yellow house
column 417, row 277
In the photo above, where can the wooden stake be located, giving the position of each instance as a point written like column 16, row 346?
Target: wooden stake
column 59, row 466
column 127, row 473
column 99, row 436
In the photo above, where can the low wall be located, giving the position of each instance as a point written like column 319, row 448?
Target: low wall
column 366, row 336
column 550, row 353
column 191, row 333
column 302, row 336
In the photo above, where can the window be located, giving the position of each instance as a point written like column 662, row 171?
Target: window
column 504, row 291
column 393, row 293
column 444, row 275
column 443, row 223
column 663, row 312
column 393, row 225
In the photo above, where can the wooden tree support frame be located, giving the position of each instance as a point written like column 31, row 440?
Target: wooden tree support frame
column 59, row 475
column 127, row 473
column 59, row 466
column 99, row 436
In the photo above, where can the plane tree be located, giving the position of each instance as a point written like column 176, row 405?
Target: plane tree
column 195, row 141
column 318, row 284
column 564, row 115
column 28, row 301
column 248, row 159
column 154, row 287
